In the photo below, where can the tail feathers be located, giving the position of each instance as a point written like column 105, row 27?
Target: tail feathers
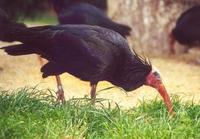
column 51, row 68
column 11, row 31
column 19, row 49
column 8, row 28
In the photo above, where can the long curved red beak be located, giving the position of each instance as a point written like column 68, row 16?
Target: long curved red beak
column 156, row 83
column 163, row 92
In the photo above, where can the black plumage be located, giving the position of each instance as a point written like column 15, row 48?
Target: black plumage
column 101, row 4
column 91, row 53
column 73, row 12
column 187, row 29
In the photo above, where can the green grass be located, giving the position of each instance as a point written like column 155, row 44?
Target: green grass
column 28, row 113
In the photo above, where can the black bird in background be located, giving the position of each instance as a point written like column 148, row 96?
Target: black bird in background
column 187, row 29
column 101, row 4
column 90, row 53
column 76, row 12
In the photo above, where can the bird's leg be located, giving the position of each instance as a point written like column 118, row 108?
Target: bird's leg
column 60, row 92
column 93, row 93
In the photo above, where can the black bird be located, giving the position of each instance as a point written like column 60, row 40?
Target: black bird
column 74, row 12
column 187, row 29
column 90, row 53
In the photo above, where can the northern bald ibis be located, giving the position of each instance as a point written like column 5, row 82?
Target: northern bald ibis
column 187, row 29
column 74, row 12
column 90, row 53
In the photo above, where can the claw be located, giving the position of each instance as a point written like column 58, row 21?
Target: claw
column 60, row 95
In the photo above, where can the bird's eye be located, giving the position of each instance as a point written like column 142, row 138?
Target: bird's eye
column 157, row 75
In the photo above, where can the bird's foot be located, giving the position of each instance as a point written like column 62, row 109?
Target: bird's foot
column 93, row 101
column 60, row 95
column 172, row 114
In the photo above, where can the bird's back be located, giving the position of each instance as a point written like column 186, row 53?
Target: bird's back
column 191, row 16
column 82, row 13
column 187, row 30
column 95, row 34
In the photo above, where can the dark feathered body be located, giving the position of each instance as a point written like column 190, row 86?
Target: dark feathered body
column 101, row 4
column 90, row 53
column 187, row 30
column 83, row 13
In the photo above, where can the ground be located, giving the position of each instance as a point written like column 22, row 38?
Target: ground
column 180, row 75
